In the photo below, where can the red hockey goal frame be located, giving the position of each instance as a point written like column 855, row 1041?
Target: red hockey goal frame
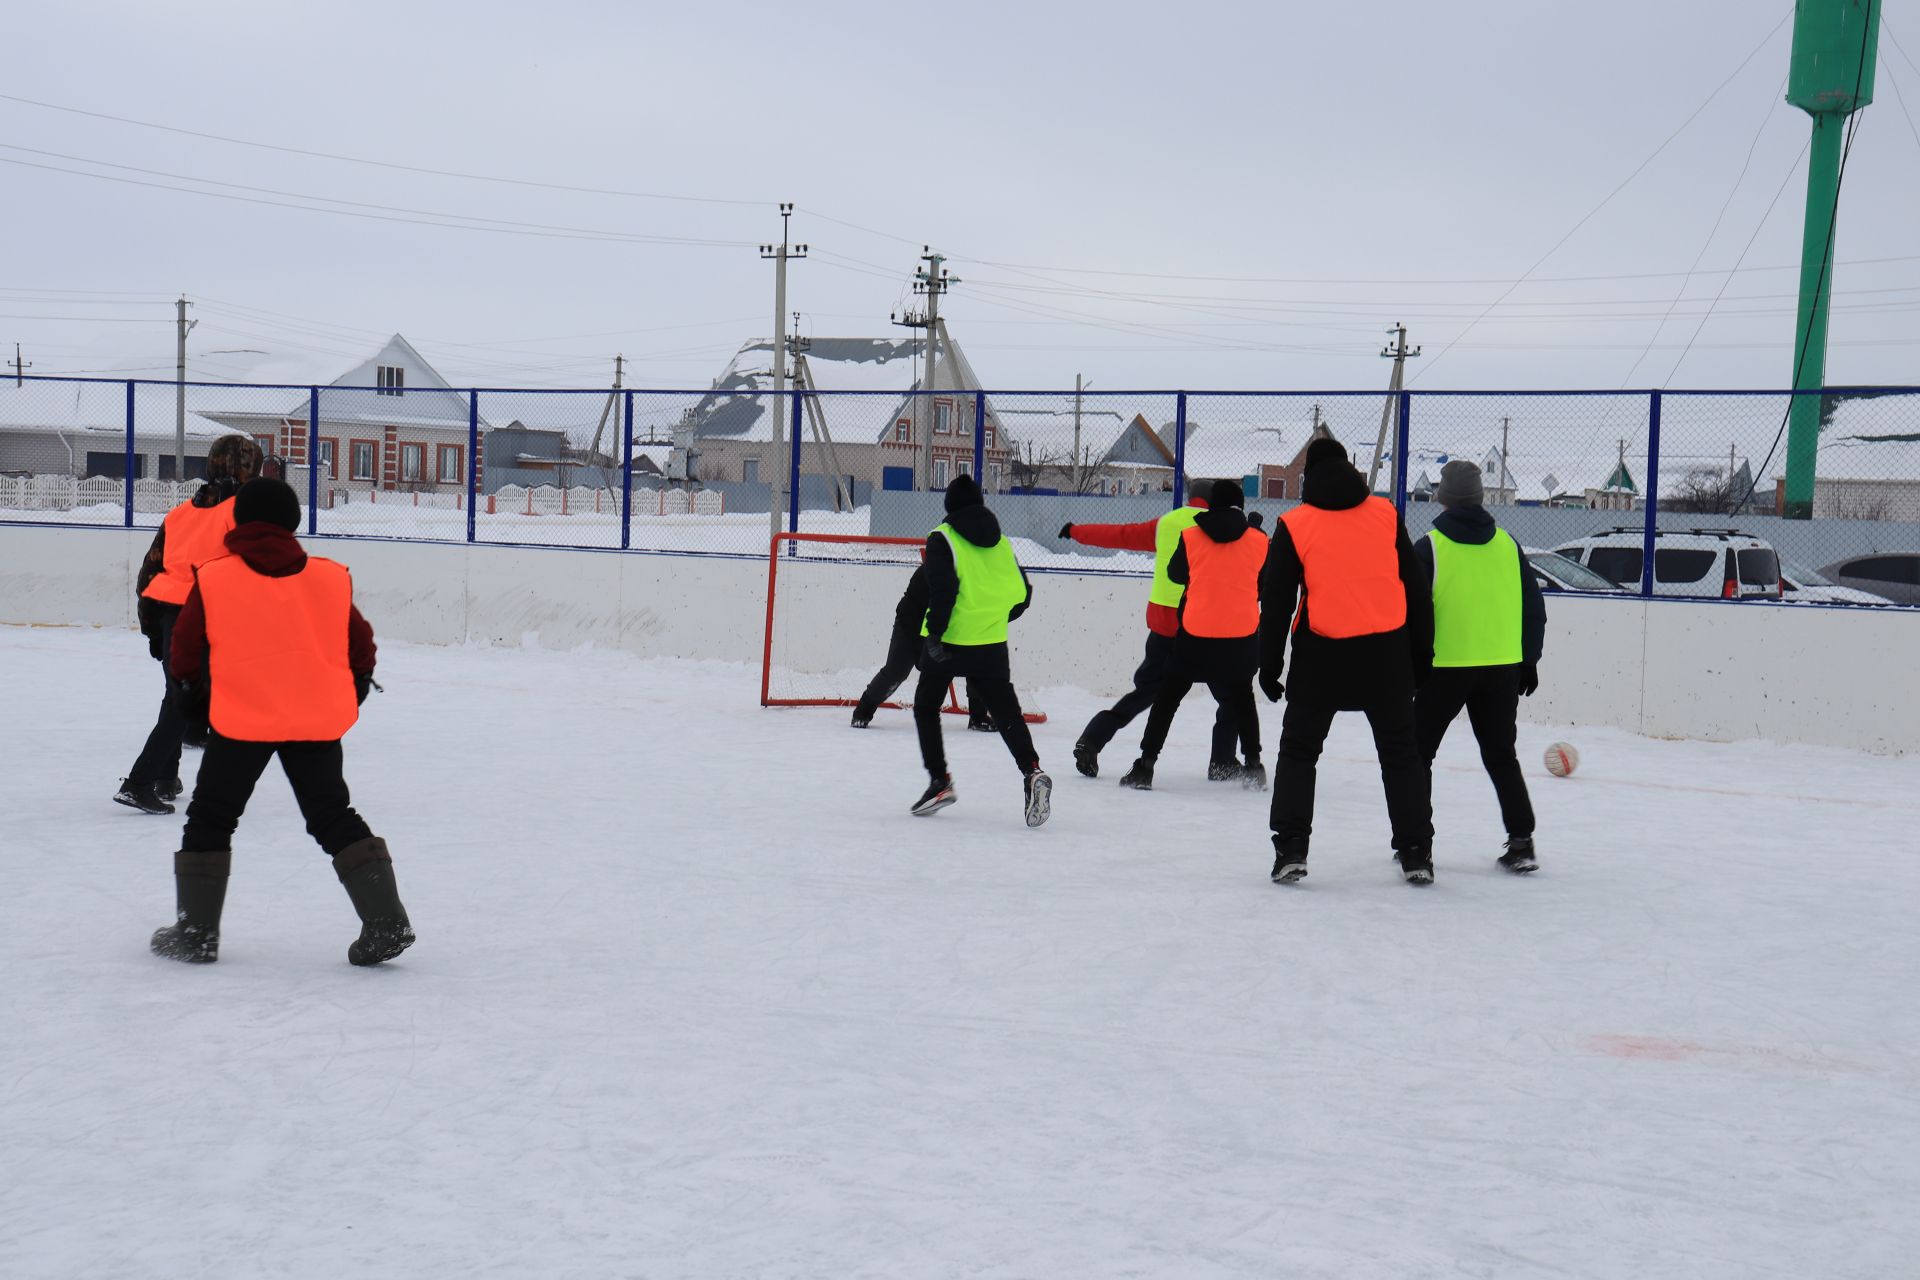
column 954, row 705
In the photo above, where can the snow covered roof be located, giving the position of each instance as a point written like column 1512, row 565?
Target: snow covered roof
column 425, row 399
column 93, row 407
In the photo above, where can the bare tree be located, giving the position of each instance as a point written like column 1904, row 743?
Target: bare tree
column 1705, row 491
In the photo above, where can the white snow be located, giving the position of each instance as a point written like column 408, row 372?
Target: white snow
column 694, row 996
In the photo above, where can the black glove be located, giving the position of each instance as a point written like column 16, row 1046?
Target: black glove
column 153, row 645
column 1529, row 679
column 1271, row 686
column 362, row 682
column 1066, row 531
column 936, row 652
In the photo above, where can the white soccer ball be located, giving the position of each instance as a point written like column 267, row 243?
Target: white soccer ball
column 1562, row 759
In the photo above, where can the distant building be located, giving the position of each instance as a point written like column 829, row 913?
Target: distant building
column 1282, row 482
column 79, row 430
column 1868, row 466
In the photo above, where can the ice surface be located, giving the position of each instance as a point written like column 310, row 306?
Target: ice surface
column 694, row 996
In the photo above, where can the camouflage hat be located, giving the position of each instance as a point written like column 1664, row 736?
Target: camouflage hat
column 234, row 458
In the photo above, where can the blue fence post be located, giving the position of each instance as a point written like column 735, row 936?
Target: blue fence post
column 980, row 439
column 1653, row 492
column 793, row 489
column 313, row 461
column 626, row 472
column 1179, row 450
column 131, row 457
column 473, row 461
column 1403, row 451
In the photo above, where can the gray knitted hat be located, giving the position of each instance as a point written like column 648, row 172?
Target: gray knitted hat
column 1460, row 485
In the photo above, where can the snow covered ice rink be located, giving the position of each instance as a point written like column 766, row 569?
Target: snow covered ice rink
column 695, row 996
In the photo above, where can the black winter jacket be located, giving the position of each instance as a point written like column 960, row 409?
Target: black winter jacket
column 1475, row 527
column 1355, row 672
column 980, row 527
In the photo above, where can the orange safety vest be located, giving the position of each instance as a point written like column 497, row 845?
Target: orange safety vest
column 195, row 535
column 277, row 651
column 1223, row 584
column 1352, row 563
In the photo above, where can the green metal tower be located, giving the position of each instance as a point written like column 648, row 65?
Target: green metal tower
column 1835, row 45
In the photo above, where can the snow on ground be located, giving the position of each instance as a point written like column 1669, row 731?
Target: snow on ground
column 694, row 996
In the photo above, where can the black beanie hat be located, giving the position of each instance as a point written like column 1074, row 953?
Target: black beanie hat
column 270, row 500
column 963, row 492
column 1226, row 493
column 1322, row 449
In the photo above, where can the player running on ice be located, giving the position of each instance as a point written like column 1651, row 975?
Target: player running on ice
column 903, row 648
column 974, row 589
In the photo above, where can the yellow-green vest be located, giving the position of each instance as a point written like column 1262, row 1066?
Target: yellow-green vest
column 990, row 588
column 1476, row 601
column 1166, row 540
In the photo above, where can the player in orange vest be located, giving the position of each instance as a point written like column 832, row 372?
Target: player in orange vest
column 1362, row 641
column 270, row 637
column 190, row 535
column 1218, row 561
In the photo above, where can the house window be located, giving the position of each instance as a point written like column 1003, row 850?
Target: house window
column 446, row 468
column 963, row 466
column 939, row 473
column 993, row 478
column 903, row 431
column 989, row 436
column 413, row 463
column 750, row 471
column 393, row 380
column 942, row 417
column 330, row 458
column 360, row 460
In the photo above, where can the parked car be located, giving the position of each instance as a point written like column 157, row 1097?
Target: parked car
column 1556, row 573
column 1799, row 583
column 1892, row 575
column 1709, row 563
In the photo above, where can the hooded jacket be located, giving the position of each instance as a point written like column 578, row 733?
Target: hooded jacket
column 1473, row 526
column 268, row 549
column 980, row 527
column 1349, row 672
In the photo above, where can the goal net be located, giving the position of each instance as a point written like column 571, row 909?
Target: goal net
column 830, row 602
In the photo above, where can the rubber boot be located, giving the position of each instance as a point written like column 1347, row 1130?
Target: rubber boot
column 200, row 892
column 366, row 870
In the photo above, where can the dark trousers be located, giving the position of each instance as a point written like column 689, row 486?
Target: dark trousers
column 1491, row 697
column 1147, row 679
column 903, row 649
column 1303, row 732
column 986, row 670
column 228, row 772
column 1227, row 668
column 159, row 759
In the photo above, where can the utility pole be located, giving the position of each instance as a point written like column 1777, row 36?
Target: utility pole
column 930, row 281
column 781, row 254
column 1506, row 486
column 606, row 410
column 1079, row 386
column 1399, row 353
column 19, row 368
column 183, row 326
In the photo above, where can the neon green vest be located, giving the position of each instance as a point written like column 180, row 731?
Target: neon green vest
column 990, row 588
column 1166, row 541
column 1476, row 602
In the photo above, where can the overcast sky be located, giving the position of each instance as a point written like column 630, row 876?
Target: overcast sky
column 1201, row 195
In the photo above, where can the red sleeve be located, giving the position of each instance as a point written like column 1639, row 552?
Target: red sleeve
column 360, row 648
column 1120, row 537
column 187, row 659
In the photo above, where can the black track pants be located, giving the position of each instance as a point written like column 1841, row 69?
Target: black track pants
column 1491, row 698
column 228, row 771
column 159, row 759
column 1403, row 771
column 986, row 672
column 1152, row 672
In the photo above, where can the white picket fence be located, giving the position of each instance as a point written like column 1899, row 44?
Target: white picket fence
column 67, row 493
column 550, row 500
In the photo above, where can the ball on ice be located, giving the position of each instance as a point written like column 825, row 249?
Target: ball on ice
column 1562, row 759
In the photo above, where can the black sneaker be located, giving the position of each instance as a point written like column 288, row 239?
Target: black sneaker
column 189, row 943
column 1039, row 789
column 1253, row 776
column 981, row 723
column 144, row 796
column 1086, row 758
column 937, row 796
column 862, row 716
column 1140, row 777
column 1519, row 856
column 171, row 789
column 1222, row 770
column 1289, row 860
column 1416, row 864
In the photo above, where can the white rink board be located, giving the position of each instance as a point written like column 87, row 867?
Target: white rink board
column 1833, row 677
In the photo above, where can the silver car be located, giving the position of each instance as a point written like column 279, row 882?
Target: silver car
column 1891, row 575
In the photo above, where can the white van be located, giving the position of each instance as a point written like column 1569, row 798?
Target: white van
column 1710, row 563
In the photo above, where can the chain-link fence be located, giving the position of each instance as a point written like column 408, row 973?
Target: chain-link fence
column 1810, row 497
